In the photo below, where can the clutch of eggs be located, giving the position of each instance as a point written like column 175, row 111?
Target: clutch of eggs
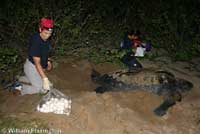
column 55, row 105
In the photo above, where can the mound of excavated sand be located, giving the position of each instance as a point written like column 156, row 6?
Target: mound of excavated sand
column 129, row 112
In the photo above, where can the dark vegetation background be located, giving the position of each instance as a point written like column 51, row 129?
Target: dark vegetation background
column 93, row 29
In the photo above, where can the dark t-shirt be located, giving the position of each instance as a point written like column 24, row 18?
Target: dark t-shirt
column 39, row 48
column 127, row 43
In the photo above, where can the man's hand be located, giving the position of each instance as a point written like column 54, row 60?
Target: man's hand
column 46, row 84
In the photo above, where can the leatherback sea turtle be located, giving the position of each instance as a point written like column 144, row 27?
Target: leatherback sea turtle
column 162, row 83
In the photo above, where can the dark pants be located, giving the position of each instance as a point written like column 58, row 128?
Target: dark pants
column 130, row 60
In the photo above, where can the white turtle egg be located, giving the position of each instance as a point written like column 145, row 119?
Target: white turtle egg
column 62, row 104
column 62, row 99
column 41, row 110
column 66, row 105
column 51, row 103
column 51, row 106
column 59, row 111
column 65, row 101
column 59, row 107
column 44, row 106
column 48, row 102
column 38, row 108
column 69, row 106
column 45, row 111
column 67, row 113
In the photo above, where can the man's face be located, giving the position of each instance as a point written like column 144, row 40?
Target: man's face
column 130, row 37
column 45, row 34
column 135, row 37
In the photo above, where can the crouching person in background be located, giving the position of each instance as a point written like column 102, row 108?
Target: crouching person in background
column 127, row 45
column 38, row 62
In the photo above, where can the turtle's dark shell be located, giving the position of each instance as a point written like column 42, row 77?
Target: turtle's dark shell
column 159, row 82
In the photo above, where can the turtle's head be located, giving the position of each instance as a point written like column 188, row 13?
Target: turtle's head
column 95, row 75
column 166, row 77
column 183, row 85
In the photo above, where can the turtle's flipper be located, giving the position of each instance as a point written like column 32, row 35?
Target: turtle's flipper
column 168, row 102
column 183, row 85
column 162, row 109
column 101, row 89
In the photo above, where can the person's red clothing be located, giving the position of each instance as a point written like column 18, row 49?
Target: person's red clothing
column 136, row 43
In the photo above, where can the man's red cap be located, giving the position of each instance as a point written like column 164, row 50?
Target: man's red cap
column 47, row 24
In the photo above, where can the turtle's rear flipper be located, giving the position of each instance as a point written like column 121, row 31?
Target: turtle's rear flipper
column 101, row 89
column 95, row 75
column 162, row 109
